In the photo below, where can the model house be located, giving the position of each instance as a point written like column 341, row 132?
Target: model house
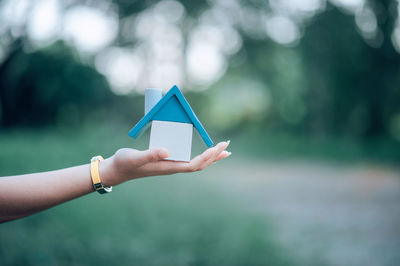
column 172, row 121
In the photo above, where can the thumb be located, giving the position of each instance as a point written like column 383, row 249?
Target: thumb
column 151, row 155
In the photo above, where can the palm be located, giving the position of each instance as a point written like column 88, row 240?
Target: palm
column 131, row 163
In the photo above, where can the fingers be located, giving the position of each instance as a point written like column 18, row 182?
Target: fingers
column 223, row 155
column 196, row 163
column 208, row 157
column 220, row 147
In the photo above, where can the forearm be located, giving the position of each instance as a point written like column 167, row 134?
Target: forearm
column 27, row 194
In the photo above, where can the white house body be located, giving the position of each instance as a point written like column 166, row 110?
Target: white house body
column 173, row 136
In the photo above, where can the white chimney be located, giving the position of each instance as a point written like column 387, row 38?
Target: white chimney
column 151, row 98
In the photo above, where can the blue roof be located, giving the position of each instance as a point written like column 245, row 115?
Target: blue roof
column 172, row 107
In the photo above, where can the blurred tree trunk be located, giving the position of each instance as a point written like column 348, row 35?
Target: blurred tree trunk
column 385, row 59
column 352, row 85
column 6, row 112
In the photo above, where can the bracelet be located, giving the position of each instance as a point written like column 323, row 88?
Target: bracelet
column 94, row 173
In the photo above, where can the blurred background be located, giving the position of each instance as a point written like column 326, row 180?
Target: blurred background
column 308, row 91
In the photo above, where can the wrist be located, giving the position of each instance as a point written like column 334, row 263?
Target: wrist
column 108, row 173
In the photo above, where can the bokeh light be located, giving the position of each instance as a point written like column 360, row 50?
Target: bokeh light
column 89, row 29
column 306, row 90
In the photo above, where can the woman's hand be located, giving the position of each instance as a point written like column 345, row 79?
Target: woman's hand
column 127, row 164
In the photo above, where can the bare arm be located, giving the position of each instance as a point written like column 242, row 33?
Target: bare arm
column 27, row 194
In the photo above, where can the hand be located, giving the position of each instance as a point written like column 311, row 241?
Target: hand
column 127, row 164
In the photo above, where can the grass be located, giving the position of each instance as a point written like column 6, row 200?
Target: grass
column 175, row 220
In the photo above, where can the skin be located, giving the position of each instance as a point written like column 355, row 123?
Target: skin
column 24, row 195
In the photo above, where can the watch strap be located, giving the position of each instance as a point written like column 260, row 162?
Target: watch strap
column 94, row 173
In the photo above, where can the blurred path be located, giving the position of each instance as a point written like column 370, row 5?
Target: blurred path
column 323, row 215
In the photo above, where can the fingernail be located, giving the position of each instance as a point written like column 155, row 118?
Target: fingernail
column 229, row 154
column 229, row 141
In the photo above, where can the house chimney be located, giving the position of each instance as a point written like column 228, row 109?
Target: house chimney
column 151, row 98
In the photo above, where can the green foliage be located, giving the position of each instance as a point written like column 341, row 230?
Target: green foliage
column 45, row 86
column 334, row 82
column 352, row 87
